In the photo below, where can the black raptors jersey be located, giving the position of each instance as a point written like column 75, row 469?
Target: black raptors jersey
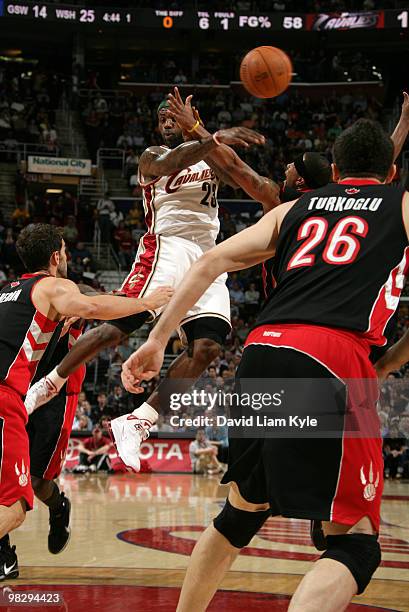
column 24, row 333
column 341, row 259
column 269, row 282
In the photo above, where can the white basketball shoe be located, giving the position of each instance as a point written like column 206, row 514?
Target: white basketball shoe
column 128, row 432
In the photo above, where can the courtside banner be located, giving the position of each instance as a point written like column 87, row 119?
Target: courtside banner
column 157, row 455
column 166, row 455
column 59, row 165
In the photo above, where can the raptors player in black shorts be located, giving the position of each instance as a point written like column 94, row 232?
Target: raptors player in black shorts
column 49, row 432
column 341, row 258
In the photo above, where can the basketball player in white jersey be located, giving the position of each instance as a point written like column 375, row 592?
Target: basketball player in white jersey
column 181, row 212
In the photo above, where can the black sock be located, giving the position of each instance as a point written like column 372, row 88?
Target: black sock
column 55, row 501
column 5, row 542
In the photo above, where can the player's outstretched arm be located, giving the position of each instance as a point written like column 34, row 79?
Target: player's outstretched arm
column 66, row 299
column 228, row 166
column 398, row 354
column 260, row 188
column 394, row 358
column 400, row 133
column 248, row 248
column 156, row 162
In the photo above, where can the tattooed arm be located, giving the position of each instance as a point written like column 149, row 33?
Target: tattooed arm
column 228, row 166
column 260, row 188
column 155, row 161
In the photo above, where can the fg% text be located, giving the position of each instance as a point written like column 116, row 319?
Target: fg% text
column 254, row 21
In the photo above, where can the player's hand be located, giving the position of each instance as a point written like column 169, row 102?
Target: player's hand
column 405, row 106
column 144, row 364
column 67, row 324
column 240, row 136
column 385, row 366
column 159, row 297
column 182, row 111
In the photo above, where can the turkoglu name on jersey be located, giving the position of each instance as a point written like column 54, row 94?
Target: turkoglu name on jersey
column 341, row 204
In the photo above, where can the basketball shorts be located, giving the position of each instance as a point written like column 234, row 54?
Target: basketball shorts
column 49, row 430
column 165, row 260
column 322, row 476
column 15, row 482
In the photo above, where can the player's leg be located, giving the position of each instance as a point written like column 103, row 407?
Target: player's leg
column 84, row 350
column 11, row 517
column 205, row 335
column 218, row 547
column 16, row 494
column 49, row 431
column 59, row 508
column 205, row 329
column 352, row 556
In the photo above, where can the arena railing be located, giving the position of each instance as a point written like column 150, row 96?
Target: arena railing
column 23, row 149
column 125, row 88
column 113, row 154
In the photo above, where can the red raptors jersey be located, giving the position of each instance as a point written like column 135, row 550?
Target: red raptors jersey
column 24, row 333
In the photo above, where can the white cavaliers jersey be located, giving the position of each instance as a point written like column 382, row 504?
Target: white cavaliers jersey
column 184, row 204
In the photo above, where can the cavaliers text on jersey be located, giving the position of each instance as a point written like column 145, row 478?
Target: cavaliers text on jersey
column 183, row 204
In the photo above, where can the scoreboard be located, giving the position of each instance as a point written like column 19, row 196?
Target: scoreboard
column 204, row 20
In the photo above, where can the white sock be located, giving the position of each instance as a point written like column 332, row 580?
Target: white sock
column 147, row 413
column 57, row 380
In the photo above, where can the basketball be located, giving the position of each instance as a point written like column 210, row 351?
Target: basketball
column 266, row 72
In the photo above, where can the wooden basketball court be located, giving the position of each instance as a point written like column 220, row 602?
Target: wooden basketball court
column 132, row 536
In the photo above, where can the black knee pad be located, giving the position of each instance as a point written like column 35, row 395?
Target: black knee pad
column 359, row 552
column 239, row 526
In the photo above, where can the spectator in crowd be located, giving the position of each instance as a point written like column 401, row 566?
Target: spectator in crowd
column 123, row 245
column 124, row 350
column 251, row 299
column 180, row 77
column 236, row 297
column 100, row 408
column 203, row 455
column 131, row 163
column 94, row 452
column 161, row 426
column 105, row 207
column 70, row 231
column 82, row 422
column 217, row 435
column 117, row 403
column 395, row 450
column 20, row 216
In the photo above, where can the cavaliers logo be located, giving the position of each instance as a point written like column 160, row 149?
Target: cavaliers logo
column 135, row 279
